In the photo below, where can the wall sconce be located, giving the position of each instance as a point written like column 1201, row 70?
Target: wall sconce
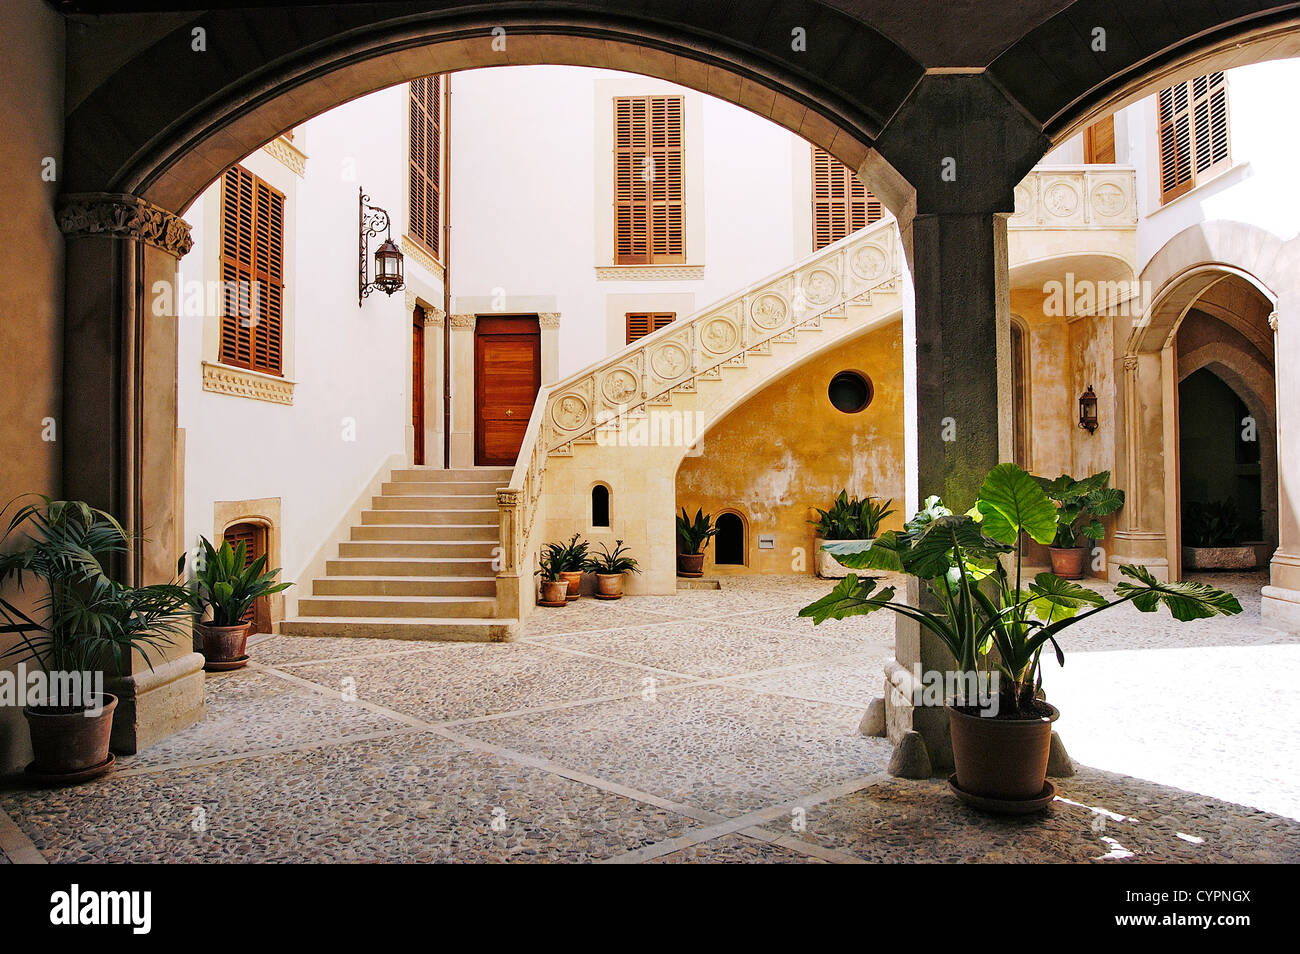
column 388, row 257
column 1088, row 410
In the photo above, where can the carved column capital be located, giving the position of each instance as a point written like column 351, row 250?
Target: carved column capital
column 115, row 215
column 549, row 320
column 434, row 317
column 1272, row 320
column 1130, row 363
column 464, row 321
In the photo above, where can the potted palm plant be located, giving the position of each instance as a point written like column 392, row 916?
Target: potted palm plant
column 551, row 568
column 224, row 587
column 1212, row 532
column 1079, row 505
column 609, row 567
column 995, row 624
column 80, row 624
column 846, row 520
column 573, row 558
column 694, row 536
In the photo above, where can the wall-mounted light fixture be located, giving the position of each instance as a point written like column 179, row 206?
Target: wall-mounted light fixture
column 388, row 257
column 1088, row 410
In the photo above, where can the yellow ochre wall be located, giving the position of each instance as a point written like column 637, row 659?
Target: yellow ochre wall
column 787, row 450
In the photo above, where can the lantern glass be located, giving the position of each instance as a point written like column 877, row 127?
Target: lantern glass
column 1088, row 410
column 388, row 264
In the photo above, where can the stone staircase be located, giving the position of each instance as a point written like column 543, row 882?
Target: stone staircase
column 419, row 566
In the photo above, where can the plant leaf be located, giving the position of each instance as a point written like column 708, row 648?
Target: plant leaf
column 1013, row 502
column 852, row 596
column 1185, row 600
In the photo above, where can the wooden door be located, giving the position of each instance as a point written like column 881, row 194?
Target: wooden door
column 507, row 375
column 253, row 536
column 417, row 382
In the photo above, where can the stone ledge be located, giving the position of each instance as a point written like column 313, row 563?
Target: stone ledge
column 241, row 382
column 649, row 273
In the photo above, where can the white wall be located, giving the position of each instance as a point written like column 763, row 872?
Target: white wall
column 527, row 201
column 351, row 365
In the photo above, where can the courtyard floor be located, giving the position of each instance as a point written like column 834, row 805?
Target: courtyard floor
column 710, row 726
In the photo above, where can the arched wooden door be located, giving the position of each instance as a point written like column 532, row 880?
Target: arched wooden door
column 253, row 536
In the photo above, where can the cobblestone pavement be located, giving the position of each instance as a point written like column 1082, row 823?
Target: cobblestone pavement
column 710, row 726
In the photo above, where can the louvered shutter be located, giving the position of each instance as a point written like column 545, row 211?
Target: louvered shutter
column 1099, row 142
column 252, row 272
column 640, row 324
column 253, row 537
column 425, row 175
column 649, row 180
column 1194, row 143
column 841, row 203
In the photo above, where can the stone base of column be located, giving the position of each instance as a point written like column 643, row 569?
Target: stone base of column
column 1144, row 548
column 914, row 730
column 1281, row 608
column 462, row 449
column 156, row 703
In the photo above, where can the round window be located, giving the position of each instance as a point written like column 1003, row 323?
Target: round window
column 850, row 392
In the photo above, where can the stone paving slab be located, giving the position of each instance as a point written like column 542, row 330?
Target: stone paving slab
column 472, row 680
column 585, row 615
column 735, row 849
column 292, row 650
column 1098, row 817
column 852, row 681
column 424, row 800
column 718, row 749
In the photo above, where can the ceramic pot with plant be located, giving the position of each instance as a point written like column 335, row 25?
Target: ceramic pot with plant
column 995, row 624
column 573, row 557
column 551, row 563
column 693, row 534
column 1079, row 505
column 1212, row 537
column 609, row 567
column 848, row 520
column 79, row 625
column 224, row 586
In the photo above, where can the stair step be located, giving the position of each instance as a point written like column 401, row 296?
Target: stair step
column 462, row 518
column 447, row 533
column 455, row 629
column 437, row 474
column 399, row 487
column 368, row 586
column 405, row 607
column 447, row 502
column 400, row 562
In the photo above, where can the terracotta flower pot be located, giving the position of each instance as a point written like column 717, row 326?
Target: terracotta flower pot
column 65, row 742
column 574, row 579
column 609, row 586
column 1001, row 758
column 1069, row 562
column 690, row 564
column 553, row 591
column 223, row 643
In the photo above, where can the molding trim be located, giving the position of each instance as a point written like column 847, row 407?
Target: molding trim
column 649, row 273
column 433, row 316
column 416, row 252
column 548, row 320
column 240, row 382
column 464, row 321
column 116, row 215
column 1272, row 321
column 288, row 155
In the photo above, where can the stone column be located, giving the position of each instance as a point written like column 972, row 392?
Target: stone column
column 120, row 440
column 1281, row 598
column 462, row 390
column 963, row 406
column 1140, row 534
column 550, row 325
column 434, row 321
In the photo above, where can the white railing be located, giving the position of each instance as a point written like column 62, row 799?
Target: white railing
column 1077, row 197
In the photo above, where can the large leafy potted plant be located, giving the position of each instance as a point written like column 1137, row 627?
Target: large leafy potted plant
column 224, row 587
column 995, row 624
column 551, row 568
column 693, row 533
column 573, row 557
column 1079, row 506
column 1211, row 533
column 847, row 520
column 609, row 567
column 80, row 624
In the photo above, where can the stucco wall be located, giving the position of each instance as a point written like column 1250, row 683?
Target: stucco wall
column 788, row 449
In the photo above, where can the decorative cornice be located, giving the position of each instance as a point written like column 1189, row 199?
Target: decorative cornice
column 464, row 321
column 434, row 316
column 240, row 382
column 549, row 320
column 416, row 253
column 116, row 215
column 649, row 273
column 288, row 155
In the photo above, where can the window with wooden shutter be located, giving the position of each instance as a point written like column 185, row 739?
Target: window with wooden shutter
column 841, row 204
column 252, row 272
column 1193, row 118
column 649, row 180
column 425, row 210
column 641, row 323
column 1099, row 142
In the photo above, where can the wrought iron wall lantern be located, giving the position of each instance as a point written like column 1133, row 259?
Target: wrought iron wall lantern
column 388, row 257
column 1088, row 410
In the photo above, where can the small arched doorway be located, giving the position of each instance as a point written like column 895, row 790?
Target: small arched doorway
column 254, row 538
column 729, row 541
